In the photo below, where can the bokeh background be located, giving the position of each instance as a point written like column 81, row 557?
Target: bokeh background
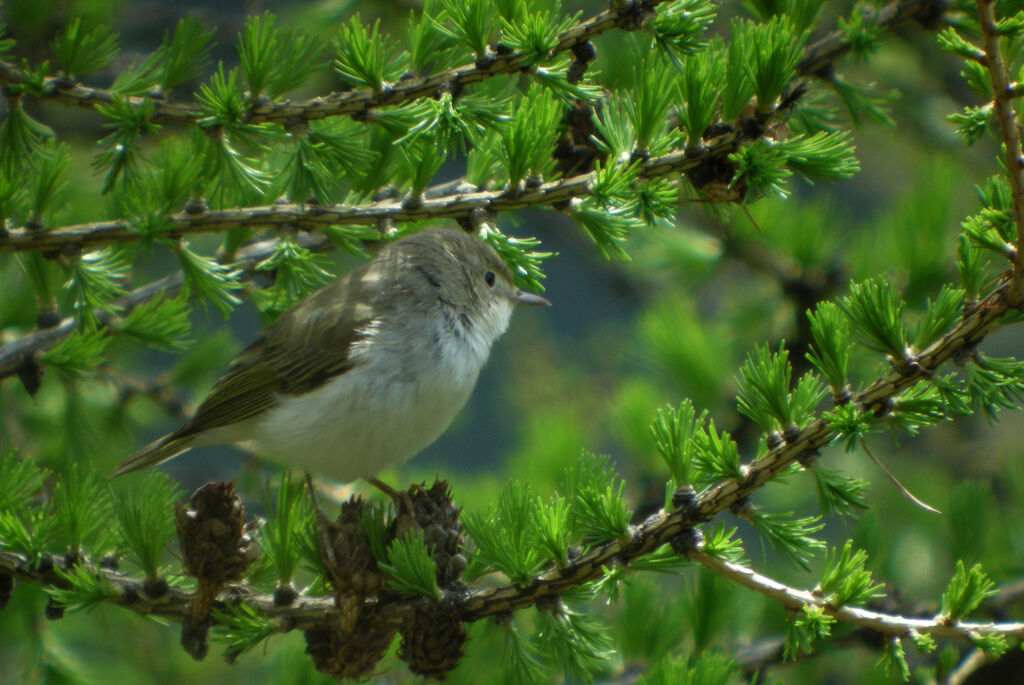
column 622, row 339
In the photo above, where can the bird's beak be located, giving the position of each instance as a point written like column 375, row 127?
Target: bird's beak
column 523, row 297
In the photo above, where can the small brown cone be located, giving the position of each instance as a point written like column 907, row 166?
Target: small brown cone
column 348, row 559
column 433, row 512
column 216, row 548
column 351, row 654
column 432, row 641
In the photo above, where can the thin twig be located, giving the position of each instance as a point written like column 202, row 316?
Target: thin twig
column 888, row 624
column 1007, row 117
column 966, row 668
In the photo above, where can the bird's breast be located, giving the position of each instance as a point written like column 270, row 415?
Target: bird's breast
column 395, row 401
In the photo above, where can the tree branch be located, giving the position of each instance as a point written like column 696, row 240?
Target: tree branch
column 354, row 102
column 358, row 102
column 451, row 205
column 1003, row 103
column 660, row 529
column 887, row 624
column 15, row 354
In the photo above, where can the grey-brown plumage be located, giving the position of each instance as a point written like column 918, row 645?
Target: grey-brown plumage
column 374, row 351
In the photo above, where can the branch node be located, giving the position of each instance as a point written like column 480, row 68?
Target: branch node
column 809, row 458
column 54, row 610
column 688, row 541
column 743, row 508
column 685, row 500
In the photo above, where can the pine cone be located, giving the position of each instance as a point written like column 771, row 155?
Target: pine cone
column 349, row 561
column 352, row 654
column 432, row 641
column 216, row 548
column 433, row 512
column 215, row 542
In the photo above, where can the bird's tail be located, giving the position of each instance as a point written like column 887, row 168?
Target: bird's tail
column 156, row 452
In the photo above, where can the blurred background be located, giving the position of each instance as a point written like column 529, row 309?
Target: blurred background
column 622, row 339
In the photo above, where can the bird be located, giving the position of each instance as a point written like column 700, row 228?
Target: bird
column 365, row 372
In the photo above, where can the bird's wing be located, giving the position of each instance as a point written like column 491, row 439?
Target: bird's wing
column 305, row 348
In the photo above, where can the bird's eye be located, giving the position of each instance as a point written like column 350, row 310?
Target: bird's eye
column 489, row 277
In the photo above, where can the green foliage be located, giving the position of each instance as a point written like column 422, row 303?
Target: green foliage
column 505, row 537
column 25, row 525
column 95, row 280
column 470, row 22
column 276, row 61
column 119, row 155
column 830, row 354
column 761, row 170
column 839, row 494
column 647, row 104
column 939, row 316
column 82, row 48
column 862, row 33
column 21, row 138
column 410, row 569
column 716, row 455
column 597, row 509
column 789, row 536
column 280, row 539
column 673, row 430
column 700, row 89
column 79, row 353
column 708, row 291
column 82, row 506
column 85, row 589
column 994, row 384
column 47, row 183
column 6, row 44
column 894, row 661
column 992, row 645
column 844, row 580
column 707, row 668
column 523, row 145
column 828, row 155
column 145, row 516
column 535, row 34
column 240, row 629
column 519, row 254
column 773, row 50
column 160, row 322
column 212, row 282
column 723, row 543
column 763, row 391
column 184, row 53
column 297, row 273
column 362, row 57
column 20, row 479
column 429, row 48
column 678, row 26
column 810, row 626
column 575, row 641
column 876, row 311
column 965, row 592
column 521, row 661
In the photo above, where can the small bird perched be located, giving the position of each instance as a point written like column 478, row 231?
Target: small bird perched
column 368, row 370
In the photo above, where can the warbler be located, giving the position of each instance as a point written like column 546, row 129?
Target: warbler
column 367, row 371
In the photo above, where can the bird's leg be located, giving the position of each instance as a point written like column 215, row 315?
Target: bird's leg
column 401, row 499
